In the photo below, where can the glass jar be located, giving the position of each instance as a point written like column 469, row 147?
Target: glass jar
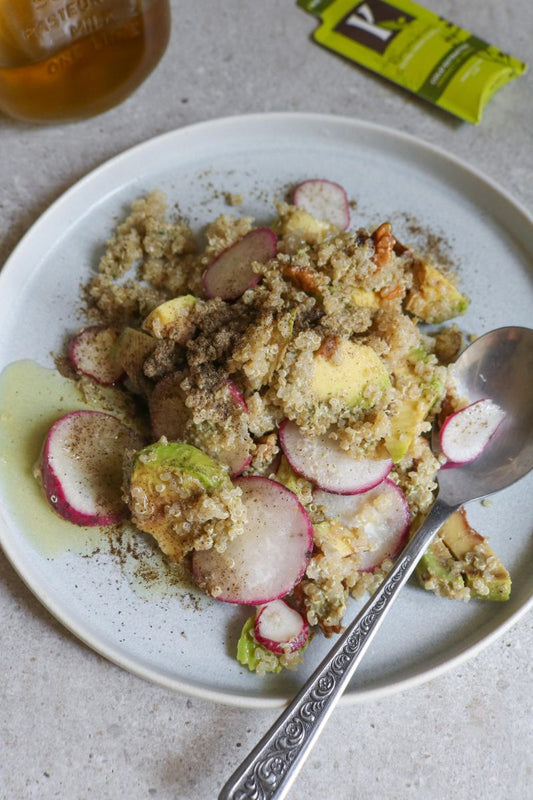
column 69, row 59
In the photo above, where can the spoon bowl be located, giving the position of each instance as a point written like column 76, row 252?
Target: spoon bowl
column 498, row 366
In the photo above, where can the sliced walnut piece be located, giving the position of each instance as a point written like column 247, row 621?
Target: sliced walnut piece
column 329, row 346
column 401, row 249
column 302, row 277
column 384, row 243
column 392, row 293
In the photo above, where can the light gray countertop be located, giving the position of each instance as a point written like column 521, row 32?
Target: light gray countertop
column 75, row 726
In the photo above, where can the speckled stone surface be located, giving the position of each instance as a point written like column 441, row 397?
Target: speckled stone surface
column 74, row 726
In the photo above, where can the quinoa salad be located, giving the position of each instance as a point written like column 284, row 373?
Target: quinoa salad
column 283, row 382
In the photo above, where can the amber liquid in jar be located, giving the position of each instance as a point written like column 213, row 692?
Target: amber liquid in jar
column 70, row 59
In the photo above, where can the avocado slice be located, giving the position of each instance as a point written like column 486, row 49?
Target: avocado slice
column 348, row 372
column 172, row 319
column 406, row 421
column 131, row 351
column 299, row 486
column 433, row 298
column 460, row 557
column 411, row 412
column 365, row 298
column 166, row 492
column 483, row 567
column 300, row 222
column 438, row 570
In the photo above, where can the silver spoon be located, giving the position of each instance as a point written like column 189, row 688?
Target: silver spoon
column 498, row 365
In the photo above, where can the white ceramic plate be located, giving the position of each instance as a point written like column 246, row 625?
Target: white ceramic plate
column 181, row 641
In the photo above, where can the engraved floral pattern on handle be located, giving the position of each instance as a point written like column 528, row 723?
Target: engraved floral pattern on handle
column 269, row 771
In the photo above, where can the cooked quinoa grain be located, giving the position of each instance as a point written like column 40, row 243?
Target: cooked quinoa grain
column 225, row 374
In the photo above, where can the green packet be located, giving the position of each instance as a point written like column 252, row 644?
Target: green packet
column 417, row 49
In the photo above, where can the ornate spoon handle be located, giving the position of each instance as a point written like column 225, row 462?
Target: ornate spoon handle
column 270, row 769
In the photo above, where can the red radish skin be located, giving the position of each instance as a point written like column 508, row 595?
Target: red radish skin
column 386, row 523
column 240, row 458
column 269, row 558
column 237, row 395
column 325, row 200
column 280, row 628
column 320, row 460
column 465, row 434
column 81, row 467
column 231, row 274
column 91, row 353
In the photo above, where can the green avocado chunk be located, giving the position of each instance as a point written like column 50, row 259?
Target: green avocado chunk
column 295, row 483
column 249, row 652
column 411, row 412
column 460, row 558
column 484, row 573
column 348, row 373
column 439, row 571
column 434, row 298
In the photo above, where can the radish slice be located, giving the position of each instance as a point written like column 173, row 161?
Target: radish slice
column 381, row 513
column 169, row 415
column 321, row 461
column 238, row 457
column 269, row 558
column 81, row 467
column 324, row 200
column 465, row 434
column 280, row 628
column 231, row 274
column 236, row 395
column 91, row 352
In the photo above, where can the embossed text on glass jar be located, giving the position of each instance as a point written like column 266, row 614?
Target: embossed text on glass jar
column 69, row 59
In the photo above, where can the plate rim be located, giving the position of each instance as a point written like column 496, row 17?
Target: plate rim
column 260, row 117
column 116, row 162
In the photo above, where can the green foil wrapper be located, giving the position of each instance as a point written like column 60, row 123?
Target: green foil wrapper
column 417, row 49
